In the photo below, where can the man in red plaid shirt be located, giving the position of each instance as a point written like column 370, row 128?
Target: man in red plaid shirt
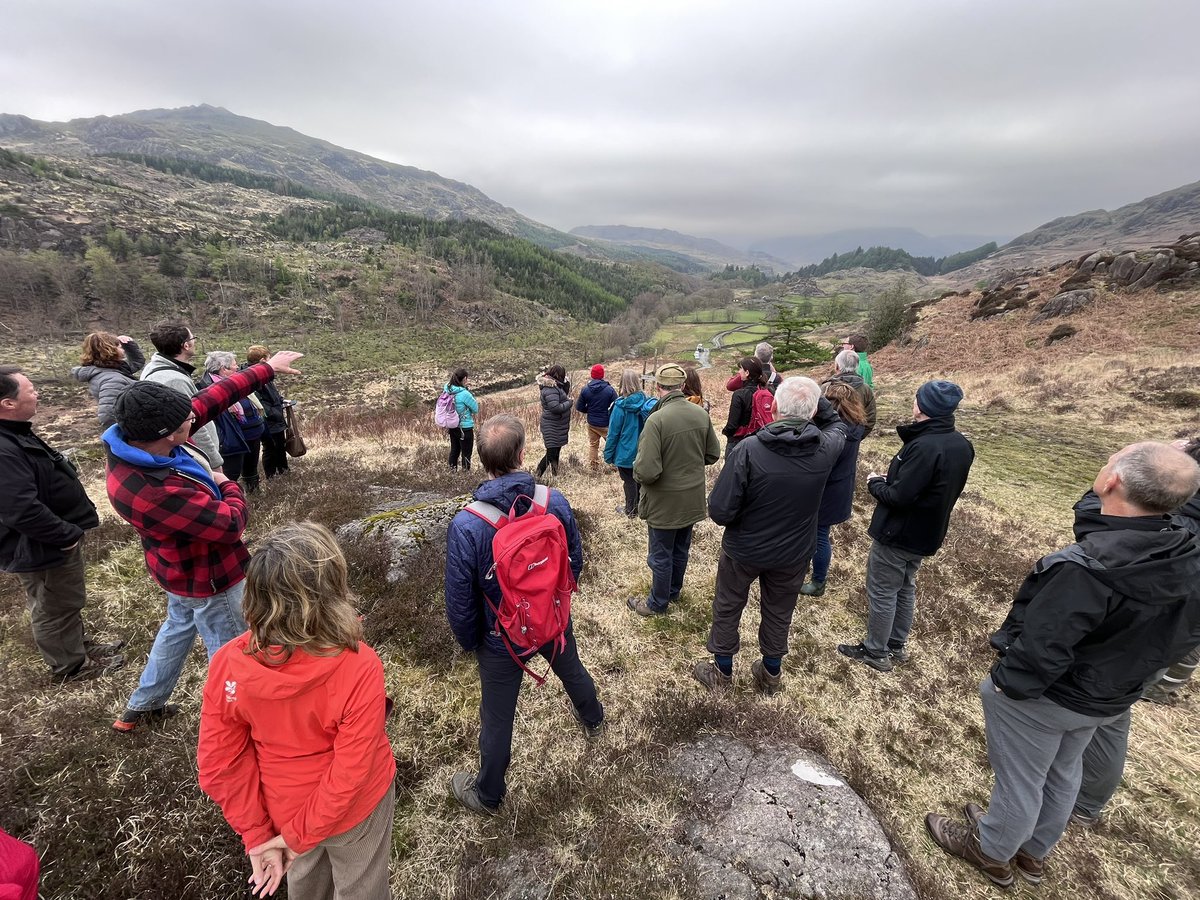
column 190, row 519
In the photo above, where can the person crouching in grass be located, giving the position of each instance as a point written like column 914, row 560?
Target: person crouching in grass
column 292, row 740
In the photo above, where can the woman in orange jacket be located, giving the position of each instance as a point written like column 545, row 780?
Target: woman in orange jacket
column 292, row 740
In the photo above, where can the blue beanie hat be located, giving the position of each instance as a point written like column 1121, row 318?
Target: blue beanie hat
column 938, row 398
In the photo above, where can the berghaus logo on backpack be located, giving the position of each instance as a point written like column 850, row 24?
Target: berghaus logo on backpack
column 445, row 412
column 532, row 565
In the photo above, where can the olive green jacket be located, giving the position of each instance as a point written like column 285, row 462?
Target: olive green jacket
column 677, row 442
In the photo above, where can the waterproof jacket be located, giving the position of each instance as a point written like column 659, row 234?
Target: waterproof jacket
column 837, row 502
column 107, row 384
column 469, row 562
column 768, row 494
column 864, row 393
column 556, row 412
column 272, row 401
column 465, row 405
column 596, row 399
column 191, row 529
column 677, row 442
column 865, row 371
column 43, row 507
column 178, row 376
column 624, row 429
column 922, row 485
column 741, row 407
column 1092, row 622
column 295, row 747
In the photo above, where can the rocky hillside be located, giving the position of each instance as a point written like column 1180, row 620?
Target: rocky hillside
column 215, row 135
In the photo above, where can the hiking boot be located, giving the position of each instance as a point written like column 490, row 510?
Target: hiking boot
column 859, row 652
column 764, row 681
column 707, row 673
column 1156, row 693
column 963, row 841
column 466, row 792
column 813, row 588
column 1030, row 868
column 591, row 732
column 131, row 718
column 899, row 655
column 92, row 667
column 1082, row 819
column 101, row 651
column 642, row 608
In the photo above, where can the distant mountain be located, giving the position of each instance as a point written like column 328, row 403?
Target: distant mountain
column 215, row 135
column 704, row 252
column 803, row 250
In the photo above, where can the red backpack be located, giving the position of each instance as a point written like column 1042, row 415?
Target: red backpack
column 760, row 409
column 533, row 568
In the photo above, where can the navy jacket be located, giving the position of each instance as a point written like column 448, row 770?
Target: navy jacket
column 838, row 500
column 922, row 485
column 469, row 576
column 596, row 400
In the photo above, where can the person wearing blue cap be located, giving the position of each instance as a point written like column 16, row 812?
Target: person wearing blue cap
column 914, row 501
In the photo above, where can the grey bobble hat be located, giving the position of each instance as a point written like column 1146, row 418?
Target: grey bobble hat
column 147, row 411
column 938, row 398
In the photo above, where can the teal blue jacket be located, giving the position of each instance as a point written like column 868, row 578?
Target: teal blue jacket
column 466, row 405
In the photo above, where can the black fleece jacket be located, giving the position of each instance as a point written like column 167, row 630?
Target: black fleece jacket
column 1093, row 621
column 922, row 485
column 768, row 494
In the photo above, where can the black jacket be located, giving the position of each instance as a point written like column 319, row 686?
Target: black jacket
column 43, row 507
column 1092, row 622
column 922, row 485
column 741, row 406
column 864, row 393
column 837, row 503
column 768, row 494
column 272, row 401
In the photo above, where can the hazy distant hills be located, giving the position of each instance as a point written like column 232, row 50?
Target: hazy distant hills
column 804, row 249
column 705, row 252
column 217, row 136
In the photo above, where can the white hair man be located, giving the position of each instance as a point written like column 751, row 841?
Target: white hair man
column 845, row 370
column 767, row 497
column 1089, row 625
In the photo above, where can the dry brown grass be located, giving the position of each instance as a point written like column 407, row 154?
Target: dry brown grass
column 122, row 816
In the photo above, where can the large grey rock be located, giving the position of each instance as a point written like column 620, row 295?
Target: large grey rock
column 406, row 523
column 1158, row 269
column 781, row 823
column 1064, row 304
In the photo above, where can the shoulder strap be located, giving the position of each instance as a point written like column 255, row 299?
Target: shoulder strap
column 490, row 514
column 541, row 497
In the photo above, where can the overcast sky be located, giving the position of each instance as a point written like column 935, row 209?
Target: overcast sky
column 726, row 119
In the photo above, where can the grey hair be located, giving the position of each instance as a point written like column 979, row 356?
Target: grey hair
column 765, row 353
column 846, row 361
column 631, row 382
column 216, row 360
column 797, row 397
column 1157, row 477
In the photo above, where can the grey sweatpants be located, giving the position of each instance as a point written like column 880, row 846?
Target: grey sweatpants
column 1036, row 751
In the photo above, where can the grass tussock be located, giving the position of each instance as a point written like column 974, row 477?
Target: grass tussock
column 122, row 816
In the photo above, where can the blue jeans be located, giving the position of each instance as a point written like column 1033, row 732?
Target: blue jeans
column 822, row 555
column 667, row 559
column 218, row 619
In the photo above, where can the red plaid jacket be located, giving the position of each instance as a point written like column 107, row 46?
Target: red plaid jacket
column 193, row 541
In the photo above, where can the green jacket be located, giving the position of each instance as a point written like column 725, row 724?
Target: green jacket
column 865, row 372
column 677, row 442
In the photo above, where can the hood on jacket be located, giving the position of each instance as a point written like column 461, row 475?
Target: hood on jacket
column 1147, row 557
column 854, row 380
column 87, row 373
column 158, row 361
column 790, row 437
column 300, row 673
column 633, row 402
column 502, row 492
column 179, row 459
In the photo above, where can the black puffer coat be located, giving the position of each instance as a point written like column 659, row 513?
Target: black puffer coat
column 556, row 412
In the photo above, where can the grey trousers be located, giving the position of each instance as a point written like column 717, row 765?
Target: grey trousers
column 891, row 597
column 349, row 866
column 778, row 589
column 1103, row 765
column 1036, row 749
column 55, row 598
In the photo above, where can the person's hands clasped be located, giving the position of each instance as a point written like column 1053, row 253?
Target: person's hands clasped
column 269, row 863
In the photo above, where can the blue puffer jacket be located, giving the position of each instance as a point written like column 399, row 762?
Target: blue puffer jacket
column 624, row 429
column 465, row 404
column 596, row 400
column 469, row 575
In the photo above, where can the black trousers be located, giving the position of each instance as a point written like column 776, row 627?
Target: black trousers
column 550, row 459
column 461, row 442
column 500, row 678
column 633, row 491
column 274, row 457
column 250, row 464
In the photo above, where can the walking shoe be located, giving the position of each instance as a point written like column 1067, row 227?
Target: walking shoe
column 859, row 652
column 963, row 841
column 764, row 681
column 131, row 718
column 1156, row 693
column 466, row 792
column 1030, row 868
column 707, row 673
column 899, row 655
column 1082, row 819
column 591, row 732
column 813, row 588
column 100, row 651
column 92, row 667
column 642, row 608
